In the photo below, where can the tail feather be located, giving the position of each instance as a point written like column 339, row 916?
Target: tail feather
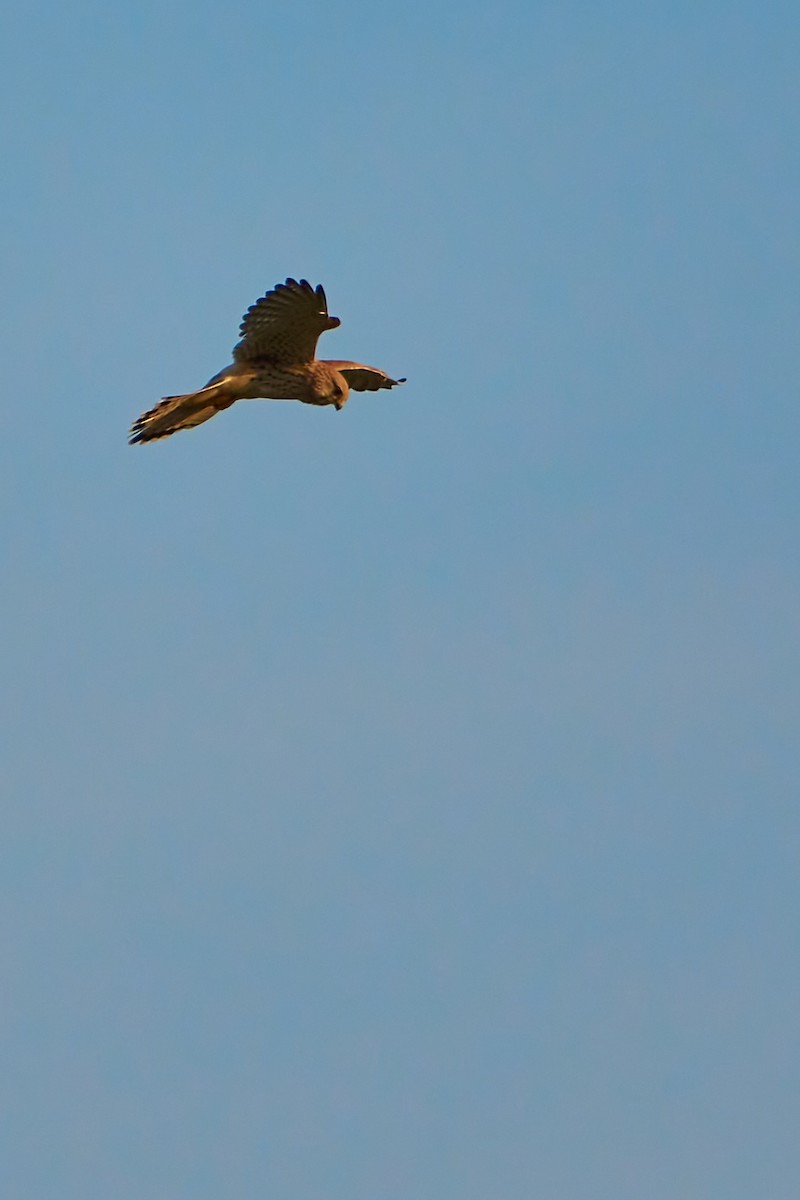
column 179, row 412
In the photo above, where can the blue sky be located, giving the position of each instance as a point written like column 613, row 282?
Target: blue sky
column 402, row 802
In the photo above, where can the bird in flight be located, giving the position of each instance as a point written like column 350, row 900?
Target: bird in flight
column 273, row 361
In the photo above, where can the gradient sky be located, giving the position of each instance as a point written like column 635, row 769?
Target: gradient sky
column 402, row 802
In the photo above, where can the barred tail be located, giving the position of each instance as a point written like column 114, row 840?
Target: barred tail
column 180, row 412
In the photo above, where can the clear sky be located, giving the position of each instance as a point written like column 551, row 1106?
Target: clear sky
column 402, row 802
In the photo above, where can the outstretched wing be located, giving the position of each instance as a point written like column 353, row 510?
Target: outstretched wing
column 361, row 378
column 283, row 326
column 180, row 412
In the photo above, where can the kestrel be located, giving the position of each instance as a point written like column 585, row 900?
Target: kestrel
column 273, row 361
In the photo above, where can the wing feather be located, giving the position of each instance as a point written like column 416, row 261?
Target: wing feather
column 284, row 325
column 361, row 378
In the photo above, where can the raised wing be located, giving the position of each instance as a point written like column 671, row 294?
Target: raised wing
column 361, row 378
column 283, row 326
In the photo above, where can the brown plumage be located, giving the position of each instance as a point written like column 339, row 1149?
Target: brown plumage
column 273, row 361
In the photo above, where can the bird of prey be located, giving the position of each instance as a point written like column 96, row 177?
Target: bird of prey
column 273, row 361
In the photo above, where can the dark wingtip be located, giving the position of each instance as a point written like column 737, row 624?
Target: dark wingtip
column 137, row 432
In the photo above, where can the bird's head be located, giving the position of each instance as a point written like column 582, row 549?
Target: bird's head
column 326, row 385
column 340, row 390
